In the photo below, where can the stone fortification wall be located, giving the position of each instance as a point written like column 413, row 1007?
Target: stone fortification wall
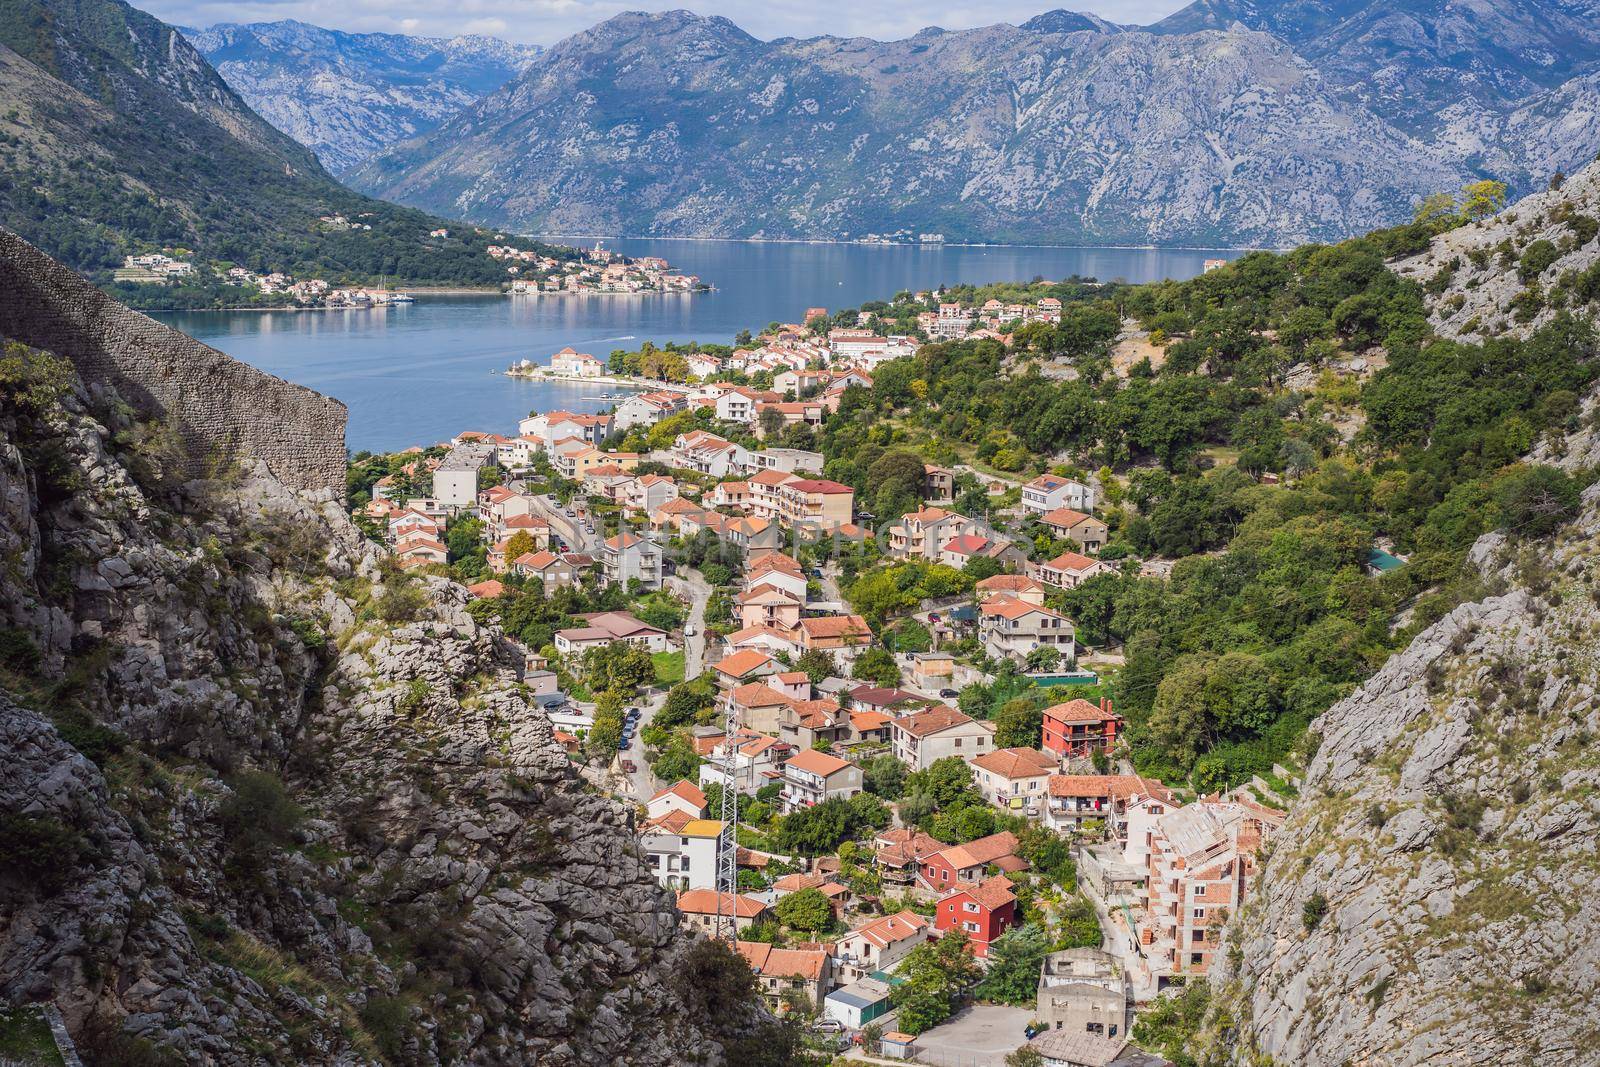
column 220, row 406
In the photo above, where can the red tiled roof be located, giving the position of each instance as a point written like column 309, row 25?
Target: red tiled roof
column 931, row 721
column 1015, row 762
column 1078, row 710
column 891, row 929
column 769, row 962
column 685, row 790
column 757, row 695
column 983, row 851
column 743, row 662
column 819, row 763
column 705, row 902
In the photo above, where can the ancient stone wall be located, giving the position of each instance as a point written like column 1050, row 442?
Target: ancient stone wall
column 220, row 406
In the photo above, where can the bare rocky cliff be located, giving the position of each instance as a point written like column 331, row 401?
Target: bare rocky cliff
column 1433, row 896
column 1450, row 824
column 266, row 800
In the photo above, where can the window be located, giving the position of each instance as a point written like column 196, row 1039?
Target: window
column 1200, row 890
column 1199, row 913
column 970, row 906
column 970, row 928
column 1198, row 936
column 958, row 742
column 1196, row 958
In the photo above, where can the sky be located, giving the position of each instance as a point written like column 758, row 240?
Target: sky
column 548, row 21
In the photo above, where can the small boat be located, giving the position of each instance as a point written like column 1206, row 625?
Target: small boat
column 402, row 298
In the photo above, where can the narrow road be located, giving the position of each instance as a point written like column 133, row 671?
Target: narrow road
column 642, row 781
column 568, row 528
column 688, row 582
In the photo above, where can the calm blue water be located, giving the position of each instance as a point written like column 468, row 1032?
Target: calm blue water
column 421, row 373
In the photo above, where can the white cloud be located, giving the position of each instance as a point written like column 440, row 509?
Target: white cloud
column 548, row 21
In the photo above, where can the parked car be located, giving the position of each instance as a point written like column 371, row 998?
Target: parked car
column 948, row 693
column 689, row 631
column 629, row 767
column 828, row 1026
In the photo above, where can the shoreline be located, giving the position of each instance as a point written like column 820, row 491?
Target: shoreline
column 543, row 375
column 905, row 244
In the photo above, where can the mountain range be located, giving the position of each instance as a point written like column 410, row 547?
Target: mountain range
column 347, row 95
column 1230, row 122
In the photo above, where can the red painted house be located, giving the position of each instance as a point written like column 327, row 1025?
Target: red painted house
column 1079, row 728
column 983, row 912
column 954, row 865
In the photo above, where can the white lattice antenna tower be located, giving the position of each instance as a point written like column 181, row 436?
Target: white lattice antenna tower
column 727, row 926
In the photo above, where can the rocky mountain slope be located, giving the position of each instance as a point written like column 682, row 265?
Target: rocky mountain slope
column 346, row 95
column 265, row 799
column 1433, row 892
column 1515, row 271
column 116, row 136
column 1254, row 124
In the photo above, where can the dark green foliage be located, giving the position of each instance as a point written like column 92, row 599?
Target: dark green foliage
column 44, row 852
column 1012, row 976
column 1171, row 1021
column 807, row 910
column 819, row 830
column 939, row 975
column 258, row 817
column 1534, row 501
column 1536, row 259
column 386, row 1019
column 1314, row 911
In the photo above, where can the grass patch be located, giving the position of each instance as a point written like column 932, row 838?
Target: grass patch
column 669, row 667
column 25, row 1039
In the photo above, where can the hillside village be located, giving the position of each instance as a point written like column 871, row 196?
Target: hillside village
column 962, row 650
column 699, row 558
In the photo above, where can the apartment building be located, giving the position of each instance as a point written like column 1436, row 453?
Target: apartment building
column 628, row 557
column 1202, row 859
column 923, row 737
column 1051, row 491
column 1078, row 728
column 1011, row 629
column 810, row 777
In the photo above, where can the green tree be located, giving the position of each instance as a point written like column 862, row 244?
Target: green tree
column 939, row 974
column 806, row 910
column 817, row 665
column 884, row 776
column 877, row 666
column 1014, row 959
column 1534, row 501
column 1482, row 198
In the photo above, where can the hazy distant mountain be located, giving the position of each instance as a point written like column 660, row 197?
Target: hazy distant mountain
column 347, row 95
column 1422, row 63
column 1069, row 128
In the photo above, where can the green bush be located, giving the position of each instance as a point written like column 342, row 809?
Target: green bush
column 45, row 852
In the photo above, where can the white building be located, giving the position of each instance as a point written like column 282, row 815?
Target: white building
column 924, row 737
column 1051, row 491
column 455, row 481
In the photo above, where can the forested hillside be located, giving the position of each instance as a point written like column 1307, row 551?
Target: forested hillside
column 1299, row 410
column 116, row 137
